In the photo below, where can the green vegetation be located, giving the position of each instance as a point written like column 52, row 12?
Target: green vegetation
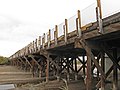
column 3, row 60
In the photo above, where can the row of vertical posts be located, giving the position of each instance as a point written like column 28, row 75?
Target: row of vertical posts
column 41, row 41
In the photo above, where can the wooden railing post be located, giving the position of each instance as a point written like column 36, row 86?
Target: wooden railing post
column 49, row 38
column 56, row 34
column 43, row 41
column 78, row 24
column 39, row 43
column 100, row 9
column 99, row 16
column 65, row 30
column 33, row 46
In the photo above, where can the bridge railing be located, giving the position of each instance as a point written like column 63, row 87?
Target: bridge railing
column 72, row 23
column 61, row 29
column 52, row 34
column 80, row 21
column 88, row 15
column 110, row 7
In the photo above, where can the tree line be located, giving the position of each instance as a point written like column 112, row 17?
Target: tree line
column 3, row 60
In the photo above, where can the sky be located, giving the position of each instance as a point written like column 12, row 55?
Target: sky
column 22, row 21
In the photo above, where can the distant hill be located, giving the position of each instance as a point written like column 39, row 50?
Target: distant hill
column 3, row 60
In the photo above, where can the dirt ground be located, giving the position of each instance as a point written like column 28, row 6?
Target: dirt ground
column 11, row 72
column 4, row 68
column 52, row 85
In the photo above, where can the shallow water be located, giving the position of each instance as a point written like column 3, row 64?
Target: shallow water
column 6, row 86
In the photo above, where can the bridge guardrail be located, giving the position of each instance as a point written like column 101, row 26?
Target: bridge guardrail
column 110, row 7
column 72, row 23
column 88, row 15
column 61, row 29
column 76, row 22
column 52, row 34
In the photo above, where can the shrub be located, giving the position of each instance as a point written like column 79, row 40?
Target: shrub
column 3, row 60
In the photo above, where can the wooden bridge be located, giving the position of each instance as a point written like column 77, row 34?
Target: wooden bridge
column 76, row 53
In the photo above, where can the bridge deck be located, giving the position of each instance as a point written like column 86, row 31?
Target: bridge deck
column 111, row 28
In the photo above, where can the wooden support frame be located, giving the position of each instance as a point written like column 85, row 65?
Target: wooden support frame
column 103, row 68
column 107, row 73
column 15, row 62
column 85, row 45
column 68, row 69
column 28, row 61
column 12, row 63
column 105, row 49
column 39, row 66
column 91, row 56
column 89, row 76
column 98, row 59
column 32, row 56
column 47, row 68
column 58, row 68
column 19, row 63
column 63, row 66
column 54, row 67
column 113, row 60
column 53, row 62
column 22, row 61
column 114, row 67
column 84, row 65
column 76, row 66
column 115, row 71
column 31, row 67
column 71, row 65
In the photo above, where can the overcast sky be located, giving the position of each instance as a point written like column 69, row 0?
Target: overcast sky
column 22, row 21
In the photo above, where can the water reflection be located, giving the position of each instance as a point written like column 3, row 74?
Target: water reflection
column 7, row 86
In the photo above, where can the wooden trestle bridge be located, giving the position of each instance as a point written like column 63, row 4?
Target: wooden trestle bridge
column 83, row 49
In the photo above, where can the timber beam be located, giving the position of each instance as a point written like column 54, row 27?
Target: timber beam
column 28, row 62
column 86, row 47
column 91, row 58
column 23, row 63
column 39, row 66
